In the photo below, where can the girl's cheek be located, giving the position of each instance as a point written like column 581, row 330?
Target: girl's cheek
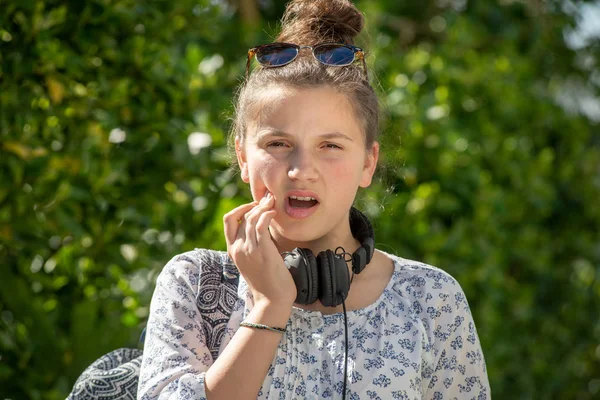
column 267, row 168
column 341, row 171
column 263, row 174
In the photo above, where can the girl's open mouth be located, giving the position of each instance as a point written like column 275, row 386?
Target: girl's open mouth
column 300, row 207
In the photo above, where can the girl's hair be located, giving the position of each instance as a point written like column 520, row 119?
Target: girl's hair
column 310, row 22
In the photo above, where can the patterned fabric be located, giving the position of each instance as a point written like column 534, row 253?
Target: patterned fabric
column 417, row 341
column 218, row 296
column 112, row 376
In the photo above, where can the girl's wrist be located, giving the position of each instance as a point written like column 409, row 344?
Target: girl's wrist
column 270, row 313
column 283, row 302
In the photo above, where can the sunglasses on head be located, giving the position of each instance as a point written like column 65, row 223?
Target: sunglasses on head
column 280, row 54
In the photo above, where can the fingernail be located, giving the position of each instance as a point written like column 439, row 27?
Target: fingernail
column 264, row 200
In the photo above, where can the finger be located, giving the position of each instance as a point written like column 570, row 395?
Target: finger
column 231, row 224
column 250, row 218
column 253, row 216
column 262, row 226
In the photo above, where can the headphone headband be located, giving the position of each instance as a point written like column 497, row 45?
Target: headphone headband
column 362, row 230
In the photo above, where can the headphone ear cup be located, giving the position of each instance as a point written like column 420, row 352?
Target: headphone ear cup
column 312, row 277
column 302, row 265
column 334, row 279
column 326, row 278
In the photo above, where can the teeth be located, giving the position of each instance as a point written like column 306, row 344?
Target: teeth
column 302, row 198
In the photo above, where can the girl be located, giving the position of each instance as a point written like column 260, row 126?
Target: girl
column 304, row 137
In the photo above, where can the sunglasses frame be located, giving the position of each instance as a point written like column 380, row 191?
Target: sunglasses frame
column 358, row 52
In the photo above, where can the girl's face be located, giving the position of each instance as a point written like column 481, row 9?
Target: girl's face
column 308, row 144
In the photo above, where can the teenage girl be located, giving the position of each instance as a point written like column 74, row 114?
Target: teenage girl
column 305, row 141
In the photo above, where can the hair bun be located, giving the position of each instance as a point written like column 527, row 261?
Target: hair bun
column 308, row 22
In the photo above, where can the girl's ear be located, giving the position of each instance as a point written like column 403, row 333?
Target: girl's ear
column 371, row 157
column 241, row 157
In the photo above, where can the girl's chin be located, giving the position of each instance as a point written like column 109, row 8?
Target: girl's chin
column 292, row 231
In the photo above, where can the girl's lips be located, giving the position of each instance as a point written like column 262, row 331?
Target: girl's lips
column 296, row 212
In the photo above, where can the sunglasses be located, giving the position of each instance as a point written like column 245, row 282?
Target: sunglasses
column 280, row 54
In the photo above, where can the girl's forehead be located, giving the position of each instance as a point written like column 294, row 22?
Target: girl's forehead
column 280, row 95
column 320, row 109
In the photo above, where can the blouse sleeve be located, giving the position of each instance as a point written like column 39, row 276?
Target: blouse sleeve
column 459, row 370
column 175, row 357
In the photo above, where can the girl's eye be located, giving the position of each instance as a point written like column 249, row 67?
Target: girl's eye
column 333, row 146
column 276, row 144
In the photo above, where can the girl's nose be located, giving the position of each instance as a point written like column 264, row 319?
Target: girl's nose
column 302, row 167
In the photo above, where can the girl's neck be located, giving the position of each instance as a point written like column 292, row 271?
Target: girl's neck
column 331, row 242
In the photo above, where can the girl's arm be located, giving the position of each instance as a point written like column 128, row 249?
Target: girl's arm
column 176, row 356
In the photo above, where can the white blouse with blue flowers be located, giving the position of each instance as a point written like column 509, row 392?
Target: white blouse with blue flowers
column 417, row 341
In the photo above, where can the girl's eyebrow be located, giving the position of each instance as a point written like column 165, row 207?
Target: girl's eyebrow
column 272, row 132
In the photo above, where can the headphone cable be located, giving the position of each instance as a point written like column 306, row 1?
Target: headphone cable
column 346, row 348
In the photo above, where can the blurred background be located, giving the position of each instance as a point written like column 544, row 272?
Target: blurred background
column 113, row 123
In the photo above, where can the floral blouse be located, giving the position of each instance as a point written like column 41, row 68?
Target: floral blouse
column 417, row 341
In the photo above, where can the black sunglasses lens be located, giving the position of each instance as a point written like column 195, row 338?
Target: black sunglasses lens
column 276, row 55
column 334, row 54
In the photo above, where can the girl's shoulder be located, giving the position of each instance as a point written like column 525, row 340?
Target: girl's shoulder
column 201, row 258
column 424, row 281
column 194, row 265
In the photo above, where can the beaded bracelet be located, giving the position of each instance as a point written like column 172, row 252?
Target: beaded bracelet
column 261, row 326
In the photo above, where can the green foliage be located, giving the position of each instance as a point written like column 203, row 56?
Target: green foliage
column 483, row 173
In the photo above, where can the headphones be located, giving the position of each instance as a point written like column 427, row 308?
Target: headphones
column 325, row 276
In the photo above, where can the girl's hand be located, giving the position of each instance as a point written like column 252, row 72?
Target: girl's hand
column 250, row 246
